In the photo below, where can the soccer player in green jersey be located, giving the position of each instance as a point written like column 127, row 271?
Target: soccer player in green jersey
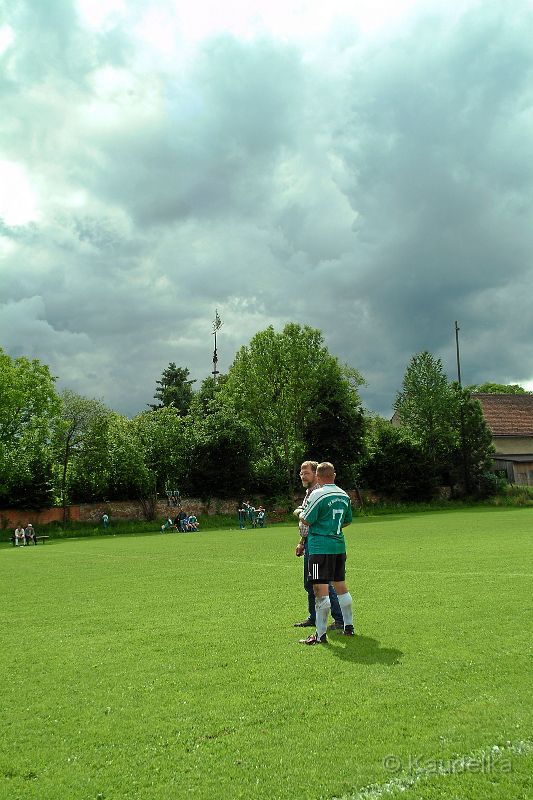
column 327, row 512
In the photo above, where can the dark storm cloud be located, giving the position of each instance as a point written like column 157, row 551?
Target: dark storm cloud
column 378, row 195
column 439, row 164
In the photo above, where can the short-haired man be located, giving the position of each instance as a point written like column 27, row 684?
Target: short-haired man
column 309, row 481
column 328, row 511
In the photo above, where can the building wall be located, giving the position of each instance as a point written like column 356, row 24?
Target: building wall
column 516, row 445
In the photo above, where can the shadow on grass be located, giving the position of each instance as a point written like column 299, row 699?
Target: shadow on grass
column 364, row 650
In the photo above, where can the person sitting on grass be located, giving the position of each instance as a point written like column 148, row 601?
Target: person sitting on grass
column 167, row 525
column 261, row 517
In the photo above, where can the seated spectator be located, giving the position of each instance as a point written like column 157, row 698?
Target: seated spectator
column 182, row 517
column 29, row 534
column 261, row 517
column 19, row 536
column 105, row 520
column 192, row 523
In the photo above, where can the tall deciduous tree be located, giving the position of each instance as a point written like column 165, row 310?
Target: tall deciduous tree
column 274, row 385
column 471, row 456
column 79, row 418
column 221, row 454
column 29, row 405
column 174, row 389
column 395, row 466
column 166, row 440
column 425, row 407
column 335, row 430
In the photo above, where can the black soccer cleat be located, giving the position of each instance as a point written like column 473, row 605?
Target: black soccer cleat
column 349, row 631
column 307, row 623
column 313, row 639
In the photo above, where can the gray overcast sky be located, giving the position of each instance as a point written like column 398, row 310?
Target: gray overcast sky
column 367, row 171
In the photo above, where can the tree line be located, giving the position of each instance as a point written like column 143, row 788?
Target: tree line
column 285, row 398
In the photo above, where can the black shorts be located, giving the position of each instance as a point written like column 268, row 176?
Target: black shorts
column 326, row 567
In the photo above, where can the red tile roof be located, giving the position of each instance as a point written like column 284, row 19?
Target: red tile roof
column 507, row 414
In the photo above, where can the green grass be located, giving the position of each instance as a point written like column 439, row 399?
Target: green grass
column 166, row 667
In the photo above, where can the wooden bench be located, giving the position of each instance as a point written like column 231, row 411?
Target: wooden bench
column 37, row 539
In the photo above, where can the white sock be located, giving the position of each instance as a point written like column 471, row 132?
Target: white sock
column 322, row 607
column 345, row 602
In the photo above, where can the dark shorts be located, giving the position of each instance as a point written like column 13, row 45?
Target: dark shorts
column 327, row 567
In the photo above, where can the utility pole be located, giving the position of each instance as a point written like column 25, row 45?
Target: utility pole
column 457, row 329
column 217, row 324
column 466, row 476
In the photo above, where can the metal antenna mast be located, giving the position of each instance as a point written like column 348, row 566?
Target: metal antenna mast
column 217, row 324
column 457, row 329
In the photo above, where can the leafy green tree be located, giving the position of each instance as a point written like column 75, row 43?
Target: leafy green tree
column 166, row 439
column 220, row 460
column 205, row 400
column 335, row 431
column 129, row 475
column 471, row 457
column 424, row 407
column 29, row 405
column 174, row 389
column 273, row 385
column 81, row 421
column 498, row 388
column 395, row 466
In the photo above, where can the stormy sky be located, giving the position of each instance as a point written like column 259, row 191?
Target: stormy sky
column 366, row 168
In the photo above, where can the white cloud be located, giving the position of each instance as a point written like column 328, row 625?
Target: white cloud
column 18, row 198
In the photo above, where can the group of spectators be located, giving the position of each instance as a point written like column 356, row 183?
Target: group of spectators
column 256, row 517
column 183, row 522
column 24, row 536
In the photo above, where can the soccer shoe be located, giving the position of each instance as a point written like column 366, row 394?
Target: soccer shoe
column 349, row 631
column 313, row 639
column 307, row 623
column 336, row 626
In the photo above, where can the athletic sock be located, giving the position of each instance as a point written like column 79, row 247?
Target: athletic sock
column 322, row 606
column 345, row 602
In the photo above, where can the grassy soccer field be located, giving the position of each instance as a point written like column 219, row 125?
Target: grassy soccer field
column 155, row 667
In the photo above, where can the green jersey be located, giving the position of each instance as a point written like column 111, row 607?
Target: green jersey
column 327, row 510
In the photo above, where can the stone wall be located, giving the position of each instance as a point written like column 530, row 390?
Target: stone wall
column 130, row 510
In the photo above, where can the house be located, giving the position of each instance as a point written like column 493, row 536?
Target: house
column 510, row 419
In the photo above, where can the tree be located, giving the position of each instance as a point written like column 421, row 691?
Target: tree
column 129, row 475
column 79, row 416
column 395, row 466
column 205, row 400
column 221, row 455
column 273, row 385
column 471, row 458
column 29, row 405
column 166, row 440
column 175, row 389
column 335, row 431
column 498, row 388
column 425, row 408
